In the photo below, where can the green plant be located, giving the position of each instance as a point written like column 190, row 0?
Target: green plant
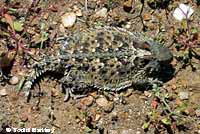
column 186, row 40
column 164, row 116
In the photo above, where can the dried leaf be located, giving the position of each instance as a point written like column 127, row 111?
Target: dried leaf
column 9, row 20
column 154, row 104
column 7, row 58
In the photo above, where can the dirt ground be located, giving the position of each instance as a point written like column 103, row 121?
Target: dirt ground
column 130, row 112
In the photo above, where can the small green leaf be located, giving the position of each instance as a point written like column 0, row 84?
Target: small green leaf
column 18, row 26
column 166, row 121
column 194, row 30
column 146, row 125
column 184, row 24
column 88, row 130
column 182, row 107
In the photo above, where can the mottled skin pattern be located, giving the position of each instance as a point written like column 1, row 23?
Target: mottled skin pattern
column 106, row 59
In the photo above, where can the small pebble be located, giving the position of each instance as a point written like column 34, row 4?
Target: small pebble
column 77, row 11
column 197, row 112
column 84, row 103
column 128, row 131
column 78, row 120
column 113, row 132
column 128, row 26
column 102, row 13
column 87, row 101
column 24, row 117
column 128, row 92
column 97, row 117
column 68, row 19
column 128, row 5
column 105, row 104
column 101, row 101
column 147, row 16
column 14, row 80
column 147, row 94
column 109, row 107
column 138, row 132
column 114, row 116
column 55, row 92
column 184, row 95
column 3, row 92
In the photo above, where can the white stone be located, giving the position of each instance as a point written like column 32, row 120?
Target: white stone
column 14, row 80
column 184, row 95
column 68, row 19
column 102, row 12
column 197, row 112
column 3, row 92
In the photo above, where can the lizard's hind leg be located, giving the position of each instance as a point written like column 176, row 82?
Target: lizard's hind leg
column 73, row 85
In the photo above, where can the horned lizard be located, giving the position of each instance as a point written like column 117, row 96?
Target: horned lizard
column 103, row 59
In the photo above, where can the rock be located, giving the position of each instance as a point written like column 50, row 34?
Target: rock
column 128, row 5
column 46, row 15
column 68, row 19
column 114, row 116
column 94, row 94
column 128, row 25
column 32, row 51
column 102, row 13
column 109, row 107
column 138, row 132
column 87, row 101
column 3, row 92
column 97, row 117
column 84, row 103
column 128, row 131
column 113, row 132
column 105, row 104
column 147, row 17
column 54, row 92
column 92, row 4
column 24, row 117
column 77, row 11
column 147, row 94
column 101, row 101
column 14, row 80
column 184, row 95
column 197, row 112
column 62, row 28
column 128, row 92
